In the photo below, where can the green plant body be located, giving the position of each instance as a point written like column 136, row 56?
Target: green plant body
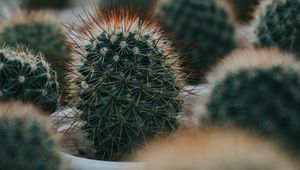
column 203, row 31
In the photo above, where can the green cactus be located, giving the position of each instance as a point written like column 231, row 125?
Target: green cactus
column 44, row 4
column 129, row 88
column 244, row 9
column 278, row 25
column 27, row 77
column 143, row 8
column 265, row 101
column 40, row 33
column 204, row 32
column 26, row 144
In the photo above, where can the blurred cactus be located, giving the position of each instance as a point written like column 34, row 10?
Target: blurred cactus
column 142, row 7
column 27, row 77
column 44, row 4
column 41, row 33
column 129, row 86
column 263, row 99
column 244, row 9
column 278, row 25
column 25, row 141
column 215, row 150
column 204, row 31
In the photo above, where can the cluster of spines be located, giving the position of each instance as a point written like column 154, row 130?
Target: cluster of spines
column 27, row 77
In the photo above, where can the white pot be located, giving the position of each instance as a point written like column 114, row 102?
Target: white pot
column 76, row 163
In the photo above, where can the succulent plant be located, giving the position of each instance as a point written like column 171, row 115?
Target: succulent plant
column 143, row 8
column 278, row 25
column 204, row 31
column 244, row 9
column 263, row 99
column 27, row 77
column 215, row 149
column 40, row 32
column 44, row 4
column 129, row 85
column 25, row 141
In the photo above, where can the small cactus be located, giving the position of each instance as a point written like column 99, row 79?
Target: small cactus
column 278, row 25
column 40, row 32
column 129, row 85
column 27, row 77
column 244, row 9
column 263, row 98
column 25, row 141
column 44, row 4
column 204, row 31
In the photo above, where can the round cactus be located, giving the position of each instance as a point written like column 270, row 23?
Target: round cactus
column 25, row 141
column 204, row 31
column 129, row 85
column 244, row 9
column 265, row 99
column 44, row 4
column 40, row 33
column 27, row 77
column 278, row 25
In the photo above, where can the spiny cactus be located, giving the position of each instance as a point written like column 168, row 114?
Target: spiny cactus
column 41, row 33
column 213, row 150
column 25, row 141
column 27, row 77
column 264, row 99
column 129, row 85
column 204, row 31
column 244, row 9
column 278, row 25
column 44, row 4
column 143, row 8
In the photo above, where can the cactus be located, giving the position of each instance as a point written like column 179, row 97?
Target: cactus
column 27, row 77
column 129, row 85
column 244, row 9
column 278, row 25
column 215, row 149
column 204, row 32
column 40, row 32
column 143, row 8
column 25, row 141
column 264, row 99
column 44, row 4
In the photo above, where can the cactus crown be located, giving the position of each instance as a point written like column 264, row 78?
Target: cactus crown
column 205, row 31
column 41, row 33
column 27, row 77
column 263, row 100
column 25, row 141
column 129, row 85
column 278, row 25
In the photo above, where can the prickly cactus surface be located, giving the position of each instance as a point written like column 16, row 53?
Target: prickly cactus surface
column 41, row 33
column 129, row 87
column 203, row 33
column 26, row 144
column 278, row 25
column 27, row 77
column 265, row 101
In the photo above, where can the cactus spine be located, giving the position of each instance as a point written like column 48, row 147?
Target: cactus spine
column 41, row 33
column 27, row 77
column 129, row 85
